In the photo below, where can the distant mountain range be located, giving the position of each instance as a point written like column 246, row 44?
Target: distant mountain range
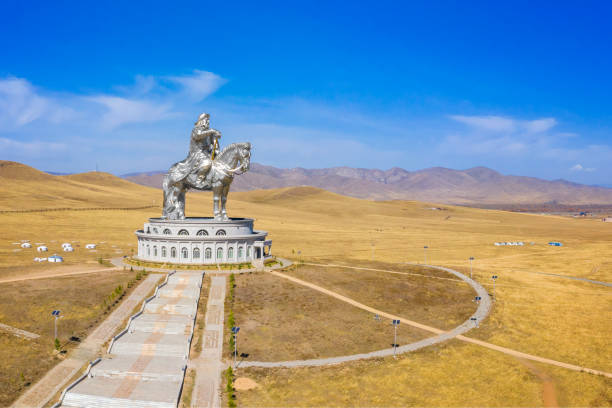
column 475, row 186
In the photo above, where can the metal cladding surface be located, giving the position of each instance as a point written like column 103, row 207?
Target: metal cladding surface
column 205, row 168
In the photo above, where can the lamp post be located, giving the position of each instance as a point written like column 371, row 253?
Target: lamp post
column 494, row 277
column 471, row 259
column 56, row 315
column 235, row 330
column 425, row 253
column 395, row 323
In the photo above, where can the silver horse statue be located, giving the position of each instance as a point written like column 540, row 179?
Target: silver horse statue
column 205, row 169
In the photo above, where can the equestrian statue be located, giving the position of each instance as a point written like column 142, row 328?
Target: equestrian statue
column 206, row 169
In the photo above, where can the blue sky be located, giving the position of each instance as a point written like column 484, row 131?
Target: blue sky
column 521, row 87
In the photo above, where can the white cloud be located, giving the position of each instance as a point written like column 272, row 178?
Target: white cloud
column 539, row 125
column 121, row 111
column 149, row 99
column 34, row 148
column 579, row 167
column 21, row 104
column 503, row 124
column 492, row 123
column 199, row 85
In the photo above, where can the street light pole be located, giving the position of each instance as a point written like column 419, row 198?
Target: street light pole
column 425, row 253
column 471, row 259
column 56, row 315
column 395, row 323
column 494, row 277
column 235, row 331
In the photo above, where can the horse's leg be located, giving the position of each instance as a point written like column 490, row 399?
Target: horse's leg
column 217, row 191
column 180, row 202
column 224, row 200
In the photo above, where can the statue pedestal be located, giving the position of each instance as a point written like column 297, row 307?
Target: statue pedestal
column 203, row 241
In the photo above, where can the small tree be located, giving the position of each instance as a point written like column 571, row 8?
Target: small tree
column 58, row 346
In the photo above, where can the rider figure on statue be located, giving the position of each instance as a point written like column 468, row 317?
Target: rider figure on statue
column 203, row 170
column 203, row 148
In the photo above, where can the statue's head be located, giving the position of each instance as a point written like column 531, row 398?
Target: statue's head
column 203, row 121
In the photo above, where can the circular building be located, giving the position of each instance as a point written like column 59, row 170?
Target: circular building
column 202, row 241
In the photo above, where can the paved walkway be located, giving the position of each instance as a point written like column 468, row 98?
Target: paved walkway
column 208, row 366
column 49, row 385
column 491, row 346
column 18, row 332
column 55, row 275
column 146, row 362
column 119, row 263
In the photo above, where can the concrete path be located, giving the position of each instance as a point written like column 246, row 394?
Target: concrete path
column 55, row 275
column 146, row 364
column 18, row 332
column 208, row 366
column 491, row 346
column 119, row 263
column 49, row 385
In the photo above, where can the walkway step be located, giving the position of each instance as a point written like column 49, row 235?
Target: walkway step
column 162, row 323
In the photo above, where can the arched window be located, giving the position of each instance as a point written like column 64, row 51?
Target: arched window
column 183, row 232
column 250, row 252
column 202, row 233
column 219, row 253
column 167, row 232
column 173, row 252
column 185, row 253
column 208, row 253
column 230, row 253
column 240, row 252
column 220, row 232
column 164, row 253
column 154, row 250
column 196, row 253
column 148, row 230
column 148, row 250
column 155, row 230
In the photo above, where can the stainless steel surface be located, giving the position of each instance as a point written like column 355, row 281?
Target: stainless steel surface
column 205, row 168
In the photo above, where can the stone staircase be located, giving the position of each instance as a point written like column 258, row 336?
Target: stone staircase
column 147, row 362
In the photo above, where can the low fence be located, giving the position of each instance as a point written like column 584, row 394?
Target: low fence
column 144, row 304
column 78, row 380
column 78, row 209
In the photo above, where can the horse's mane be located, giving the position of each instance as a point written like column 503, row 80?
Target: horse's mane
column 232, row 147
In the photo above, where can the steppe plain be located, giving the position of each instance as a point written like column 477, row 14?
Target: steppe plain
column 536, row 312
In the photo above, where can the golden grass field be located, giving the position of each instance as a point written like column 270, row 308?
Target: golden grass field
column 280, row 320
column 548, row 316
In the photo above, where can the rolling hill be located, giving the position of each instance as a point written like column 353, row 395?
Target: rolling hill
column 25, row 188
column 475, row 186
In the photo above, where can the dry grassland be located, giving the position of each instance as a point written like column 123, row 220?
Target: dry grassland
column 28, row 304
column 280, row 320
column 444, row 304
column 544, row 315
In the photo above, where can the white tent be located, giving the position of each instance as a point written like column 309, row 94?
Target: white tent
column 68, row 249
column 90, row 246
column 42, row 248
column 26, row 245
column 55, row 258
column 66, row 244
